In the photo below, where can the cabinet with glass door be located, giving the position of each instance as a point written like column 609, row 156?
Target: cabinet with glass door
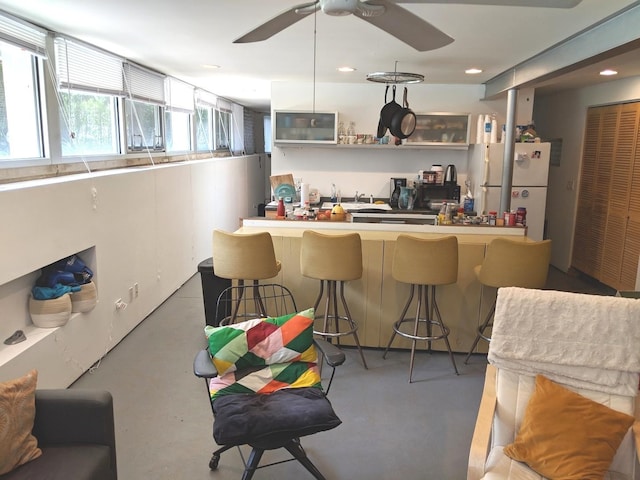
column 441, row 129
column 305, row 127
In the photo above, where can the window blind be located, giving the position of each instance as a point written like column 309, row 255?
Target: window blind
column 143, row 84
column 22, row 34
column 179, row 95
column 81, row 67
column 204, row 98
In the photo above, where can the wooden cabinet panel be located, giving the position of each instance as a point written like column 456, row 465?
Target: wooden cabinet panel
column 607, row 240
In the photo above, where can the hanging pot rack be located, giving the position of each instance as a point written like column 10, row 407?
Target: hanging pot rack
column 395, row 77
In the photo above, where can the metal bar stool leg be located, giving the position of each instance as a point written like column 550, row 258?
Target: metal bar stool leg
column 445, row 330
column 416, row 325
column 352, row 324
column 236, row 308
column 481, row 330
column 397, row 324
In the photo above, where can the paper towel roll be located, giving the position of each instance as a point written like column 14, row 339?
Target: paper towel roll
column 304, row 193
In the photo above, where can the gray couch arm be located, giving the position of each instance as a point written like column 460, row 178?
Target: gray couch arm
column 75, row 417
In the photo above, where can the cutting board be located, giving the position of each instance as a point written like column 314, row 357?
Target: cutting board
column 280, row 179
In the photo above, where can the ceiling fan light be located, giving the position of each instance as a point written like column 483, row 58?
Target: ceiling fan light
column 339, row 8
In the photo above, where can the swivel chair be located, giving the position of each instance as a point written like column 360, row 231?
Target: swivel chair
column 511, row 263
column 244, row 257
column 264, row 384
column 424, row 263
column 344, row 263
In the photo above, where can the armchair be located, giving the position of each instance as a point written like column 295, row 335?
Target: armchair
column 75, row 431
column 544, row 351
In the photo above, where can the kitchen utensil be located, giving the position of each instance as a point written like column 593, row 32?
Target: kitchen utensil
column 450, row 175
column 403, row 121
column 407, row 196
column 389, row 110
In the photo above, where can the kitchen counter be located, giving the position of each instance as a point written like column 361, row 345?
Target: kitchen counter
column 269, row 223
column 376, row 300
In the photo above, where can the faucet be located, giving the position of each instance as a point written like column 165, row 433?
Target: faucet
column 357, row 197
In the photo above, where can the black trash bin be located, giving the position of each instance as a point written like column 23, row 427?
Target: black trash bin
column 212, row 287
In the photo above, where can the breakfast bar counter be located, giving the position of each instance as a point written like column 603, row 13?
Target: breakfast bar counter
column 376, row 300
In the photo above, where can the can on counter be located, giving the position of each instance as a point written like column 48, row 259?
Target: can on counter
column 509, row 219
column 521, row 216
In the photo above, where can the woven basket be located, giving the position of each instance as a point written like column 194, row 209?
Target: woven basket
column 50, row 313
column 85, row 299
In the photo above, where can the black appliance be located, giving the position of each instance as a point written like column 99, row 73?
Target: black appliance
column 430, row 197
column 394, row 191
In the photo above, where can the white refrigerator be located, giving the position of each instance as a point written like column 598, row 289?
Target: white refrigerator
column 529, row 184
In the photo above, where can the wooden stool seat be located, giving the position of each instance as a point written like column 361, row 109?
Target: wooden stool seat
column 244, row 257
column 511, row 263
column 334, row 259
column 425, row 264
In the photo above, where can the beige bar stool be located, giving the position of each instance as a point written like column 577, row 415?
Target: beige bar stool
column 333, row 259
column 511, row 263
column 424, row 263
column 245, row 257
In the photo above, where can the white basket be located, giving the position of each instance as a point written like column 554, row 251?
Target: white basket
column 84, row 300
column 50, row 313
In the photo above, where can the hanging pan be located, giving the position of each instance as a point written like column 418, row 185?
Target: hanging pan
column 403, row 120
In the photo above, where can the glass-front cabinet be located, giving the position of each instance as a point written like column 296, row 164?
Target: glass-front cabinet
column 305, row 127
column 442, row 129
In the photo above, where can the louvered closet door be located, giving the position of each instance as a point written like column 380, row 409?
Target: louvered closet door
column 632, row 237
column 584, row 251
column 619, row 193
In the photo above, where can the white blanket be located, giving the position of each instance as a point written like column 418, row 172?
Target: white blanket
column 585, row 341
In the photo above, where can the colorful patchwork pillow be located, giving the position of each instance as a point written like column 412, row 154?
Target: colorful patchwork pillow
column 262, row 342
column 267, row 379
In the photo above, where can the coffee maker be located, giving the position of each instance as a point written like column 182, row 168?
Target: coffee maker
column 394, row 190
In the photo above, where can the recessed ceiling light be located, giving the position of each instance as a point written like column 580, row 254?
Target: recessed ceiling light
column 473, row 71
column 346, row 69
column 210, row 66
column 608, row 72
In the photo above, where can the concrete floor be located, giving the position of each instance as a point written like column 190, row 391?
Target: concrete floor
column 391, row 429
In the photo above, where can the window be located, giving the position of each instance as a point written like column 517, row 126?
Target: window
column 222, row 130
column 144, row 126
column 180, row 107
column 88, row 124
column 178, row 131
column 20, row 125
column 204, row 129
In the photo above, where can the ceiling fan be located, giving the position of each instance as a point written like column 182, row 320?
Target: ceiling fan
column 388, row 16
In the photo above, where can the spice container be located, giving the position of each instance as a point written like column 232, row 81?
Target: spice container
column 492, row 218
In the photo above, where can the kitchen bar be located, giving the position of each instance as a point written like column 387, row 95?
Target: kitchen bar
column 376, row 300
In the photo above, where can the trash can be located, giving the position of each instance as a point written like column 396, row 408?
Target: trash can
column 212, row 287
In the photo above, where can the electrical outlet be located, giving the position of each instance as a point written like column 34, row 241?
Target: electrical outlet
column 120, row 305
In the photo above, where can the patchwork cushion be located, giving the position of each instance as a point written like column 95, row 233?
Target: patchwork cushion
column 262, row 342
column 567, row 436
column 268, row 379
column 17, row 413
column 271, row 420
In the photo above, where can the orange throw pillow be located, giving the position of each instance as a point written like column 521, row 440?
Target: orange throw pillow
column 566, row 436
column 17, row 413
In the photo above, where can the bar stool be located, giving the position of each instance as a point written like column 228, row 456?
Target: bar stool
column 333, row 259
column 511, row 263
column 424, row 263
column 244, row 257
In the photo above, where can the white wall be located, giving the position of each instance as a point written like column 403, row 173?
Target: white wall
column 563, row 115
column 150, row 226
column 368, row 170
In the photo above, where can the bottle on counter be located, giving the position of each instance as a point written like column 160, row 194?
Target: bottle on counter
column 280, row 211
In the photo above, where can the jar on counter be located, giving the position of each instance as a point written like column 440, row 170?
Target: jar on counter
column 521, row 216
column 493, row 216
column 439, row 173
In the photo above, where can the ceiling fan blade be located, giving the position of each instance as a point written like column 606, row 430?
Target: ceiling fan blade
column 277, row 24
column 407, row 27
column 506, row 3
